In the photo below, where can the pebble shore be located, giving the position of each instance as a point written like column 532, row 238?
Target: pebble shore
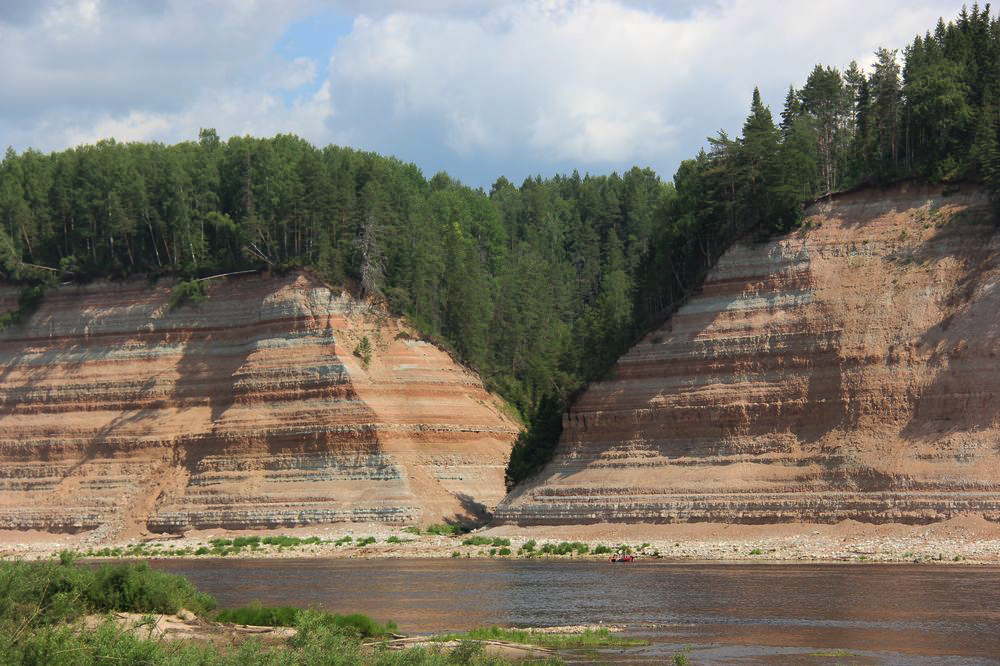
column 964, row 541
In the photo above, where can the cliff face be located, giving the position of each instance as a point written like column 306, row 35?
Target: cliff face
column 850, row 370
column 247, row 411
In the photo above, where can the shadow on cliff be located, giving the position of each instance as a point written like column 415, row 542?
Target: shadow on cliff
column 965, row 345
column 474, row 514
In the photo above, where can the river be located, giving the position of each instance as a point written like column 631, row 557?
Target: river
column 721, row 613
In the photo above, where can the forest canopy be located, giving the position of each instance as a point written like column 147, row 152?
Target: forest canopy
column 538, row 286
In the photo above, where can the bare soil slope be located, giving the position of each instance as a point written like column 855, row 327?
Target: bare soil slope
column 850, row 370
column 249, row 411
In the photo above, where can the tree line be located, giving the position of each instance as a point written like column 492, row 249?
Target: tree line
column 538, row 286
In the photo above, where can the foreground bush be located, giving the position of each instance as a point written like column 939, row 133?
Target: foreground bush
column 45, row 593
column 40, row 603
column 355, row 624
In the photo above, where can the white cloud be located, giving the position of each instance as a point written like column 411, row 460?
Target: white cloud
column 596, row 84
column 479, row 88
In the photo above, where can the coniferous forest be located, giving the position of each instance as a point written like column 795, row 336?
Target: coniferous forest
column 538, row 286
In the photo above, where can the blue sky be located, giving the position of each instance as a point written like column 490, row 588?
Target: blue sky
column 478, row 89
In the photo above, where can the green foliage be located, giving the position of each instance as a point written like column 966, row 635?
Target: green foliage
column 394, row 539
column 42, row 593
column 367, row 541
column 441, row 529
column 601, row 549
column 355, row 624
column 486, row 541
column 187, row 292
column 564, row 548
column 529, row 545
column 260, row 616
column 412, row 529
column 343, row 540
column 28, row 301
column 364, row 351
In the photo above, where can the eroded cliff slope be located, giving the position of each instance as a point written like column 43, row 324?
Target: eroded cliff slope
column 850, row 370
column 246, row 411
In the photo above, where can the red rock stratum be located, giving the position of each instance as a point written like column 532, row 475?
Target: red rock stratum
column 248, row 411
column 849, row 370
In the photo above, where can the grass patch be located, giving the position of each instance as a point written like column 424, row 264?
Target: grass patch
column 565, row 548
column 357, row 624
column 756, row 551
column 261, row 616
column 440, row 529
column 39, row 593
column 486, row 541
column 583, row 639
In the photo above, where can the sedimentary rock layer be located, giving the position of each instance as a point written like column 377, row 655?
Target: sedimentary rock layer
column 849, row 370
column 246, row 411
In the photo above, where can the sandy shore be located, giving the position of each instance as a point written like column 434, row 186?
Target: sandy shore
column 969, row 539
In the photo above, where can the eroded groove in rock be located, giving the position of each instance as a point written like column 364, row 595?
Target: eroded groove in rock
column 850, row 370
column 247, row 411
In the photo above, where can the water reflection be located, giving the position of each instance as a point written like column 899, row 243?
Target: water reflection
column 901, row 610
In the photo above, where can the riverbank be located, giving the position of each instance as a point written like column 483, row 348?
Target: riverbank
column 967, row 539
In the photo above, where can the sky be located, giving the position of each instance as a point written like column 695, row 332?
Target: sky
column 475, row 88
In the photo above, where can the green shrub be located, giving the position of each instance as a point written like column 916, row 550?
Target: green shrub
column 342, row 540
column 364, row 351
column 601, row 549
column 756, row 551
column 504, row 551
column 445, row 530
column 202, row 550
column 455, row 553
column 477, row 541
column 367, row 541
column 28, row 301
column 564, row 548
column 394, row 539
column 50, row 593
column 529, row 545
column 261, row 616
column 187, row 291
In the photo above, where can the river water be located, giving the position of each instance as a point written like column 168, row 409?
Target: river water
column 720, row 613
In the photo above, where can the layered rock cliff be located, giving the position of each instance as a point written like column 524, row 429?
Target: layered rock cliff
column 246, row 411
column 850, row 370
